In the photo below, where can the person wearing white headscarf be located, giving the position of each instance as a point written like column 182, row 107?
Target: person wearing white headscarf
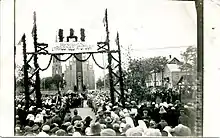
column 129, row 121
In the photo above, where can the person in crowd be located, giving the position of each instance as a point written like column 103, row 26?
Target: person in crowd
column 94, row 129
column 116, row 128
column 108, row 132
column 75, row 117
column 183, row 118
column 78, row 128
column 45, row 131
column 108, row 122
column 86, row 124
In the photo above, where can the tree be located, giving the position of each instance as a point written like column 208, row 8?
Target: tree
column 99, row 83
column 138, row 72
column 57, row 80
column 46, row 83
column 190, row 59
column 190, row 62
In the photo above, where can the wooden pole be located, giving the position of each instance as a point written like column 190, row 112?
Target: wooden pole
column 109, row 61
column 37, row 81
column 26, row 82
column 120, row 73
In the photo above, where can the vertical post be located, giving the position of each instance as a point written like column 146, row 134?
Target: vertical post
column 120, row 72
column 79, row 67
column 155, row 82
column 37, row 81
column 26, row 84
column 109, row 61
column 162, row 77
column 199, row 96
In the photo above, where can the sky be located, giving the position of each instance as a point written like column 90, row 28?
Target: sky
column 149, row 28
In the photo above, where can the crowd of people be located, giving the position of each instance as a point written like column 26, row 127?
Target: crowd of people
column 149, row 118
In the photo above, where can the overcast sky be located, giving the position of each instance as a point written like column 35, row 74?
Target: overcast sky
column 142, row 25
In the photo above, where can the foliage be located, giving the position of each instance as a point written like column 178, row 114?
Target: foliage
column 99, row 83
column 138, row 72
column 46, row 83
column 190, row 59
column 57, row 80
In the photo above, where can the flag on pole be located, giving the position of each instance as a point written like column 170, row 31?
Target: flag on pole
column 19, row 43
column 35, row 26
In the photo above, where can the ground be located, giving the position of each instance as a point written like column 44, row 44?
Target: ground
column 85, row 111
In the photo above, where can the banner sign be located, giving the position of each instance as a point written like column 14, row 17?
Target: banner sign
column 72, row 47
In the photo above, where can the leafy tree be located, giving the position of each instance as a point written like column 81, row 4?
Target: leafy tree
column 190, row 59
column 46, row 83
column 57, row 80
column 99, row 83
column 138, row 72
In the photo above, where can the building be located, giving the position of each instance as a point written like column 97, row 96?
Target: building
column 88, row 74
column 56, row 67
column 170, row 76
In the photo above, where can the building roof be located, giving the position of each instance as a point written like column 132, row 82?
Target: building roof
column 173, row 67
column 173, row 61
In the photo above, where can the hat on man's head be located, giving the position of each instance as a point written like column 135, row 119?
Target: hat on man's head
column 27, row 129
column 88, row 119
column 46, row 128
column 133, row 102
column 162, row 110
column 78, row 124
column 61, row 132
column 116, row 126
column 35, row 127
column 135, row 131
column 108, row 132
column 115, row 107
column 108, row 120
column 173, row 108
column 67, row 124
column 182, row 130
column 152, row 132
column 53, row 130
column 69, row 128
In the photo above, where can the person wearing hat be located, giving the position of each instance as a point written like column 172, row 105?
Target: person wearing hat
column 65, row 125
column 35, row 129
column 100, row 117
column 75, row 117
column 68, row 117
column 18, row 131
column 60, row 132
column 116, row 128
column 22, row 116
column 146, row 115
column 94, row 129
column 108, row 122
column 152, row 132
column 135, row 131
column 108, row 132
column 181, row 130
column 56, row 119
column 70, row 130
column 53, row 131
column 86, row 124
column 45, row 131
column 78, row 128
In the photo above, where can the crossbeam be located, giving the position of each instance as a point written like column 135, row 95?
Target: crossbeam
column 103, row 51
